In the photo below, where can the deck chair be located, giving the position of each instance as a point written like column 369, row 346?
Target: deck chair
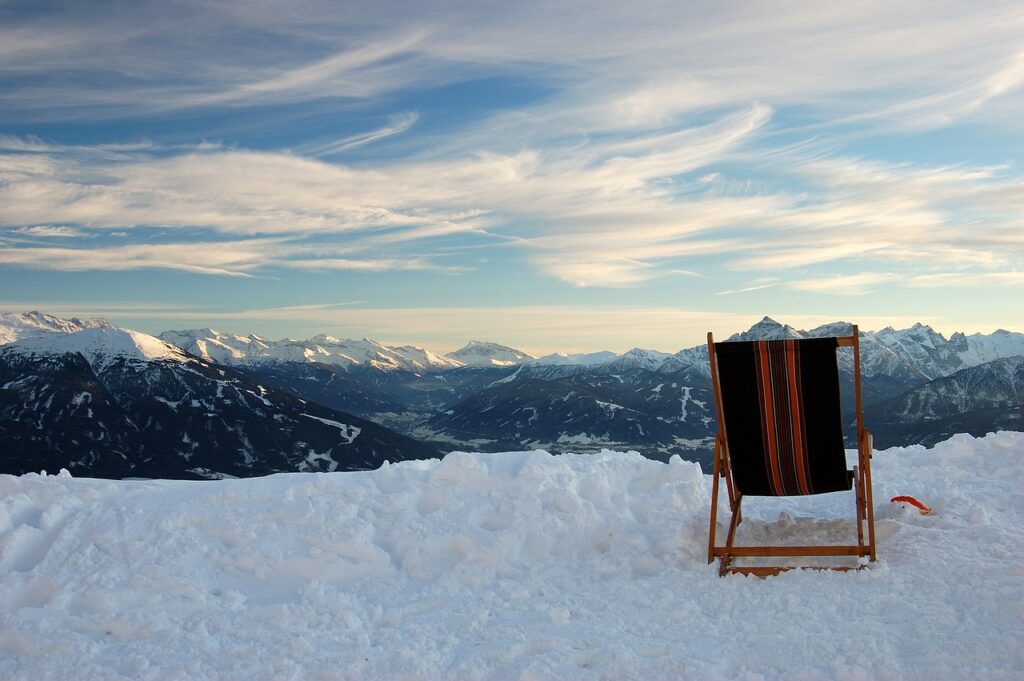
column 780, row 434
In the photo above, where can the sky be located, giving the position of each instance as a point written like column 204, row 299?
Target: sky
column 555, row 176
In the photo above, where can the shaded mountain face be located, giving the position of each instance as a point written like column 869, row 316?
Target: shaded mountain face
column 55, row 413
column 587, row 411
column 976, row 400
column 172, row 418
column 327, row 384
column 398, row 399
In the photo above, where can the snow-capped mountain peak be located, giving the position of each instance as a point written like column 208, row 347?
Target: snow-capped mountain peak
column 638, row 358
column 15, row 325
column 325, row 339
column 767, row 329
column 484, row 354
column 100, row 345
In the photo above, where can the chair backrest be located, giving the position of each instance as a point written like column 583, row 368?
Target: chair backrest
column 779, row 400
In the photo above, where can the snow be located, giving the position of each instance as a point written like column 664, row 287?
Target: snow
column 99, row 345
column 519, row 565
column 349, row 433
column 580, row 439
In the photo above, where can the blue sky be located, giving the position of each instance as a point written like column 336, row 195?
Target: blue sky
column 554, row 176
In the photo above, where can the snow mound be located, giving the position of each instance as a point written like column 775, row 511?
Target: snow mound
column 508, row 566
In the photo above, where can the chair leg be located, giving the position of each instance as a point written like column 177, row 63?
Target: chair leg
column 724, row 566
column 737, row 516
column 714, row 520
column 868, row 498
column 729, row 483
column 859, row 487
column 715, row 474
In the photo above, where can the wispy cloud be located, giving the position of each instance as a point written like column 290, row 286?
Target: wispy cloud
column 235, row 258
column 919, row 64
column 370, row 265
column 604, row 213
column 356, row 72
column 397, row 124
column 845, row 285
column 967, row 279
column 756, row 285
column 646, row 155
column 49, row 231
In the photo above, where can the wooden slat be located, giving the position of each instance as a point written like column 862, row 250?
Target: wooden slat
column 770, row 571
column 828, row 550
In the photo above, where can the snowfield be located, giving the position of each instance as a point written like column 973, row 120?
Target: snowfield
column 507, row 566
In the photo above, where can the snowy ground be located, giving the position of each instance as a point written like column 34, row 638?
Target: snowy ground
column 506, row 566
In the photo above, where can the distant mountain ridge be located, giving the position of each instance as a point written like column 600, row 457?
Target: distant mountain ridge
column 233, row 349
column 918, row 353
column 485, row 396
column 15, row 325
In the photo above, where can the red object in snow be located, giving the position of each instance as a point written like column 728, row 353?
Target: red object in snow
column 925, row 510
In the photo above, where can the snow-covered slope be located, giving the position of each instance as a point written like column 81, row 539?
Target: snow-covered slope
column 978, row 348
column 483, row 354
column 507, row 566
column 222, row 348
column 232, row 349
column 99, row 341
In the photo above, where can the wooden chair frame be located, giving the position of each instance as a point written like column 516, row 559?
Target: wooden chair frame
column 723, row 469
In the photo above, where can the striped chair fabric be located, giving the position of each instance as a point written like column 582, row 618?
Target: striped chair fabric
column 783, row 417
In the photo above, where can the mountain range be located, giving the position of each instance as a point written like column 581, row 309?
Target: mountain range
column 108, row 401
column 104, row 401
